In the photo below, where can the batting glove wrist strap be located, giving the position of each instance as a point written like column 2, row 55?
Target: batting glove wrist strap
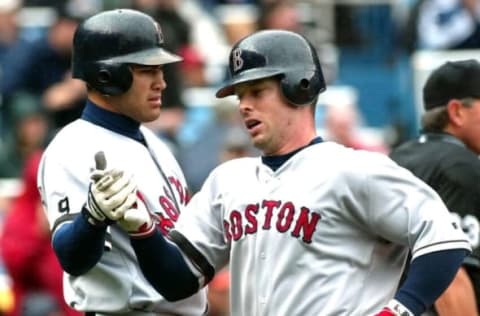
column 92, row 220
column 138, row 221
column 395, row 308
column 95, row 212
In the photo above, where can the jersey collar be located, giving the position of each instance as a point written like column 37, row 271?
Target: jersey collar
column 443, row 137
column 275, row 162
column 115, row 122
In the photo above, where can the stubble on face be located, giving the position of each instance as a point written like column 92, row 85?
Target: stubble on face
column 142, row 101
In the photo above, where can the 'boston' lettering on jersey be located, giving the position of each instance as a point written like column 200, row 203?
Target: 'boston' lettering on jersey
column 165, row 221
column 182, row 190
column 282, row 216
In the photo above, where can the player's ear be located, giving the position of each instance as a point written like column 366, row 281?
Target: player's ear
column 456, row 112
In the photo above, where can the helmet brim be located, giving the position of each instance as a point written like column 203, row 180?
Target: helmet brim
column 149, row 57
column 245, row 76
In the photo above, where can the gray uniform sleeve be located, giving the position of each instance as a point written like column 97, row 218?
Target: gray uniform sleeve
column 402, row 209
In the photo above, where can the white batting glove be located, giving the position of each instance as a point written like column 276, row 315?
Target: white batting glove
column 395, row 308
column 138, row 221
column 110, row 195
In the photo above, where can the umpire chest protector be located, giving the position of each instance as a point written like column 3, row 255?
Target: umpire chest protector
column 105, row 45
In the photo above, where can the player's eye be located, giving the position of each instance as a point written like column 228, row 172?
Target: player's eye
column 257, row 92
column 147, row 69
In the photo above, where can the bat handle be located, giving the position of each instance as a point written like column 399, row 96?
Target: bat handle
column 100, row 161
column 100, row 164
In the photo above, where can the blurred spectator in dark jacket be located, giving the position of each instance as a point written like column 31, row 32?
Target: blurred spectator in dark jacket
column 43, row 3
column 444, row 24
column 9, row 30
column 25, row 245
column 28, row 133
column 212, row 4
column 42, row 67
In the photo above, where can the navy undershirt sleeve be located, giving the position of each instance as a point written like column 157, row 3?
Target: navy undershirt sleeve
column 164, row 267
column 79, row 245
column 428, row 276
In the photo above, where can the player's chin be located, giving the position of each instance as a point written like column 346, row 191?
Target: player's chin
column 150, row 116
column 258, row 141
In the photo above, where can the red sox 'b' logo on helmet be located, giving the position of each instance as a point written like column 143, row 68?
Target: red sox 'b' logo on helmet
column 159, row 33
column 237, row 60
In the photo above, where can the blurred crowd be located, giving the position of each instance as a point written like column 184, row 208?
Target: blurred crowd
column 38, row 97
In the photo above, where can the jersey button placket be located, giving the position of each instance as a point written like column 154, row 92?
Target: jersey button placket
column 263, row 298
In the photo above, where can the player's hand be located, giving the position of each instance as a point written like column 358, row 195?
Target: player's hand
column 138, row 221
column 111, row 193
column 394, row 308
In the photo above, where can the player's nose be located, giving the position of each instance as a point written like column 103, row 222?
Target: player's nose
column 245, row 105
column 160, row 83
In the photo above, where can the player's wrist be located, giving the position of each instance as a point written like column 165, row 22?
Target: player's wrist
column 395, row 308
column 144, row 231
column 87, row 215
column 138, row 222
column 94, row 210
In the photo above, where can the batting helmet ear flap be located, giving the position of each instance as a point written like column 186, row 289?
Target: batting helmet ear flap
column 109, row 78
column 301, row 88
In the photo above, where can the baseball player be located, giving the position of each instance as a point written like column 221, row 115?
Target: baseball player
column 445, row 156
column 119, row 54
column 311, row 227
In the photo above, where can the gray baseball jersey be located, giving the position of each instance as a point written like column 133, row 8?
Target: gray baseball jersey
column 115, row 284
column 328, row 233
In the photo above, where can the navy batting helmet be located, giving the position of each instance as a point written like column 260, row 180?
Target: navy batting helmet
column 271, row 53
column 106, row 44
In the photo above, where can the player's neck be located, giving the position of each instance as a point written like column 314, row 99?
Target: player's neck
column 299, row 137
column 101, row 102
column 294, row 143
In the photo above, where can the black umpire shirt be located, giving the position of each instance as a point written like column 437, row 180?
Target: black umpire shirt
column 453, row 171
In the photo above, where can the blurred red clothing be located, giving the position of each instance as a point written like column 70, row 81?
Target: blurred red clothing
column 26, row 248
